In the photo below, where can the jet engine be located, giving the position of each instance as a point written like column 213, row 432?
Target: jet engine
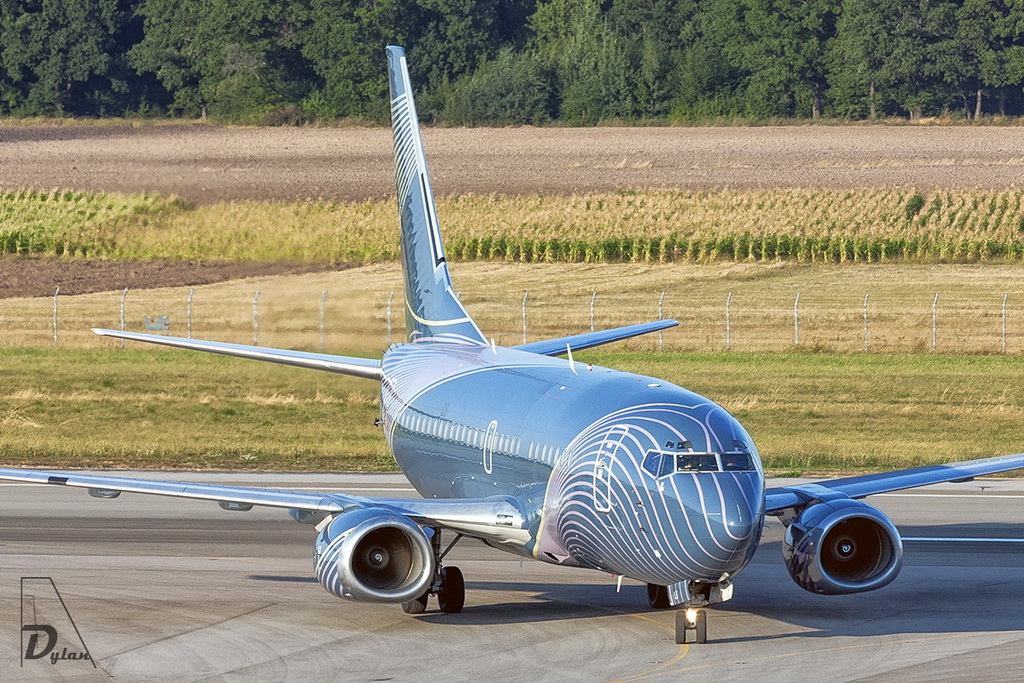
column 374, row 555
column 842, row 546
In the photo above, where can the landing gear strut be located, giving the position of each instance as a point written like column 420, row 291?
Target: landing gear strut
column 690, row 598
column 448, row 584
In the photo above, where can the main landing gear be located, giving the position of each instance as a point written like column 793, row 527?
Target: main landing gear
column 448, row 584
column 691, row 619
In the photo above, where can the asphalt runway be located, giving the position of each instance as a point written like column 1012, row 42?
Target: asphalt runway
column 163, row 589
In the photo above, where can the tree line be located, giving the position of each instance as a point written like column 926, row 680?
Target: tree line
column 513, row 61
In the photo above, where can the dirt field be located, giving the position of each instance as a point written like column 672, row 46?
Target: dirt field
column 21, row 277
column 209, row 164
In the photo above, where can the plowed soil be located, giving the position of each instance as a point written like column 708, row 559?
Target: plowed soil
column 40, row 277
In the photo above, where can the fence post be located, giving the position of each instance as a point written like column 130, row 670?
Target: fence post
column 124, row 295
column 390, row 297
column 323, row 305
column 796, row 320
column 728, row 322
column 255, row 319
column 188, row 310
column 1005, row 295
column 661, row 316
column 526, row 295
column 55, row 293
column 866, row 322
column 593, row 298
column 935, row 312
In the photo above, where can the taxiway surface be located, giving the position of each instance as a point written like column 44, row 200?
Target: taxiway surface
column 163, row 589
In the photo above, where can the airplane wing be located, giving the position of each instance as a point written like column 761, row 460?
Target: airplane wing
column 499, row 519
column 778, row 500
column 345, row 365
column 556, row 347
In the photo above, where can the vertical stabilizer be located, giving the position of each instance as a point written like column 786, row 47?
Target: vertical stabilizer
column 432, row 311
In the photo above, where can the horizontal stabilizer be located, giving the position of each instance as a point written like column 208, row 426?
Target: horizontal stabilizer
column 556, row 347
column 780, row 499
column 368, row 368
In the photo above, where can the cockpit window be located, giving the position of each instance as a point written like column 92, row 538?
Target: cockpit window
column 659, row 464
column 736, row 461
column 696, row 462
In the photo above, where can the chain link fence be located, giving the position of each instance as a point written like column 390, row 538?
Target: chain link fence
column 750, row 320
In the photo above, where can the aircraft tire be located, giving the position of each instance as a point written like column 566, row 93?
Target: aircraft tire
column 657, row 596
column 452, row 596
column 697, row 634
column 702, row 627
column 416, row 605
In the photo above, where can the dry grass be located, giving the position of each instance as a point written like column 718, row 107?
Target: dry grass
column 831, row 306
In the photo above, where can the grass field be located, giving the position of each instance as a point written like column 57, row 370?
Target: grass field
column 761, row 311
column 636, row 226
column 809, row 413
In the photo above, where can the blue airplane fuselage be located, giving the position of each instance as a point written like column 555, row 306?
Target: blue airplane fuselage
column 614, row 471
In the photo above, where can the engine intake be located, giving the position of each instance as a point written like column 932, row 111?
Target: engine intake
column 374, row 555
column 842, row 546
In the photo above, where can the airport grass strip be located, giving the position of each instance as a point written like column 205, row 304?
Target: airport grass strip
column 808, row 413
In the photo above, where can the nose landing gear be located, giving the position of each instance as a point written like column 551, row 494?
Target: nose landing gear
column 690, row 598
column 691, row 626
column 448, row 584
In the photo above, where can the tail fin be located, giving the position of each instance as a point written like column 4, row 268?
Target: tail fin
column 432, row 311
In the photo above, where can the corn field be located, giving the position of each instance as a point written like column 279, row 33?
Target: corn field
column 642, row 226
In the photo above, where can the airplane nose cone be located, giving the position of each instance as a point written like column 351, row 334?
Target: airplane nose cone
column 724, row 514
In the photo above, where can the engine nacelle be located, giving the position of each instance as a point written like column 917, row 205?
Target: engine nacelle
column 374, row 555
column 842, row 546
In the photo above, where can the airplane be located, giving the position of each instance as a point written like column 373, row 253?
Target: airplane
column 533, row 453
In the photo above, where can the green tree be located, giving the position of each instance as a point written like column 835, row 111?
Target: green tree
column 783, row 50
column 343, row 41
column 858, row 55
column 232, row 57
column 59, row 56
column 651, row 31
column 593, row 74
column 513, row 88
column 706, row 80
column 910, row 71
column 992, row 35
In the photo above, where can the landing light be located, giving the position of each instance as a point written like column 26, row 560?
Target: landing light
column 691, row 616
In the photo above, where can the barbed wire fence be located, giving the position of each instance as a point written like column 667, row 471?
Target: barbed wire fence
column 812, row 321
